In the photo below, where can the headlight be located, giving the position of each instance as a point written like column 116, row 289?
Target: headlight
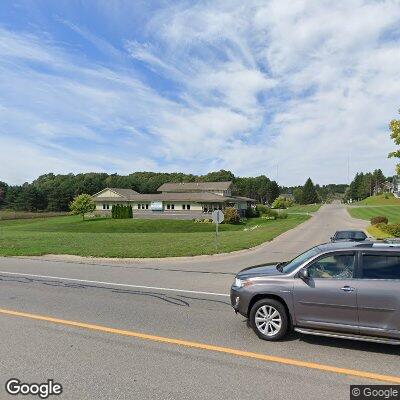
column 238, row 283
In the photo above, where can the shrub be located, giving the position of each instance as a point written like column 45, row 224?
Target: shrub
column 280, row 202
column 282, row 215
column 231, row 216
column 289, row 203
column 379, row 219
column 270, row 213
column 262, row 209
column 252, row 212
column 392, row 229
column 121, row 212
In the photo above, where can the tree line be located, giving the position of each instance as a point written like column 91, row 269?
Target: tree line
column 51, row 192
column 366, row 184
column 310, row 193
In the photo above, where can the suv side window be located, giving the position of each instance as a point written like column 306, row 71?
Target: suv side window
column 334, row 266
column 381, row 266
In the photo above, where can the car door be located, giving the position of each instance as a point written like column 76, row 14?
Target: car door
column 378, row 295
column 328, row 298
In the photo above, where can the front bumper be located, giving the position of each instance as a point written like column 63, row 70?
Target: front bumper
column 239, row 301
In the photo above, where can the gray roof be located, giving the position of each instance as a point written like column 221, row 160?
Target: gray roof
column 194, row 186
column 196, row 197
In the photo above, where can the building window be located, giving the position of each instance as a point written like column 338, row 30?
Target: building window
column 187, row 206
column 107, row 206
column 183, row 206
column 104, row 206
column 147, row 206
column 139, row 206
column 168, row 206
column 172, row 206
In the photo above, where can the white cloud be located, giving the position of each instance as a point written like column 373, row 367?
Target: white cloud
column 245, row 86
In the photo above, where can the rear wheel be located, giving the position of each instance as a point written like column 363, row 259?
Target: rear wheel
column 269, row 319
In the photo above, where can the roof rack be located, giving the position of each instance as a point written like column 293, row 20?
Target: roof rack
column 383, row 243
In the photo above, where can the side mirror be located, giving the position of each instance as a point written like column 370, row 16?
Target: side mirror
column 303, row 274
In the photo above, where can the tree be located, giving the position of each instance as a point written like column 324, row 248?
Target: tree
column 298, row 195
column 82, row 204
column 310, row 195
column 273, row 192
column 3, row 190
column 395, row 135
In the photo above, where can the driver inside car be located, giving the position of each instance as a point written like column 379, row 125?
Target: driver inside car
column 339, row 267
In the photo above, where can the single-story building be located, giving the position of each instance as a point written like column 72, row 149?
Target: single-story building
column 196, row 197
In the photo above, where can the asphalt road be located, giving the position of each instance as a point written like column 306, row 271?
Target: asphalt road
column 171, row 301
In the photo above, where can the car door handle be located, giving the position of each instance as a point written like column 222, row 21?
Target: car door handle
column 347, row 289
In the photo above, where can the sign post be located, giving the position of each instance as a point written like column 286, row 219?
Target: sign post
column 218, row 217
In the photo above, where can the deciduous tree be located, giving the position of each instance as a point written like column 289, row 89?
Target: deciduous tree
column 82, row 204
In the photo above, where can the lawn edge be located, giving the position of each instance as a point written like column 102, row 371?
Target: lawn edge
column 96, row 260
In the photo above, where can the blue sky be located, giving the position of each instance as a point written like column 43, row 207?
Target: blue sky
column 123, row 86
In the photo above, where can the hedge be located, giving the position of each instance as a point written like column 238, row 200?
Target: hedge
column 121, row 212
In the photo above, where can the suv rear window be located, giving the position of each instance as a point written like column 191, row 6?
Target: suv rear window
column 381, row 266
column 354, row 235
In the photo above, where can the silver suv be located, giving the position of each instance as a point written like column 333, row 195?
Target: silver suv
column 346, row 290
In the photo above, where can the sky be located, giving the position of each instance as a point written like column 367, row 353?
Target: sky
column 288, row 88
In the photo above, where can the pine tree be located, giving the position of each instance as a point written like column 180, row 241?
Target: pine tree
column 310, row 195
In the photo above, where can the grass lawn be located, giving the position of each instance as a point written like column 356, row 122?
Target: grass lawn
column 134, row 237
column 306, row 208
column 380, row 200
column 391, row 212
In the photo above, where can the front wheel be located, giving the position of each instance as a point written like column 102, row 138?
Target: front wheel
column 269, row 319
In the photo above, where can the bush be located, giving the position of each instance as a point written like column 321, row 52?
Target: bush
column 282, row 215
column 252, row 212
column 379, row 219
column 392, row 229
column 280, row 202
column 231, row 216
column 262, row 209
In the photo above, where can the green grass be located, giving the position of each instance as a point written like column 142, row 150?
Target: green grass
column 306, row 208
column 391, row 212
column 380, row 200
column 134, row 237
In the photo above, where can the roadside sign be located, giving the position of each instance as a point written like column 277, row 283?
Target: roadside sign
column 217, row 216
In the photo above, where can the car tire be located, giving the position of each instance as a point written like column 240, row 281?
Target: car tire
column 269, row 319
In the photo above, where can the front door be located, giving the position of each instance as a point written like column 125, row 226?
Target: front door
column 328, row 299
column 379, row 294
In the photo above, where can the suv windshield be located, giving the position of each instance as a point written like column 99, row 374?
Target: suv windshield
column 296, row 262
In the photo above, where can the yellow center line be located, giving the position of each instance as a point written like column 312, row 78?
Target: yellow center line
column 203, row 346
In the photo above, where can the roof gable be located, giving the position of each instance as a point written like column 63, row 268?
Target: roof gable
column 116, row 192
